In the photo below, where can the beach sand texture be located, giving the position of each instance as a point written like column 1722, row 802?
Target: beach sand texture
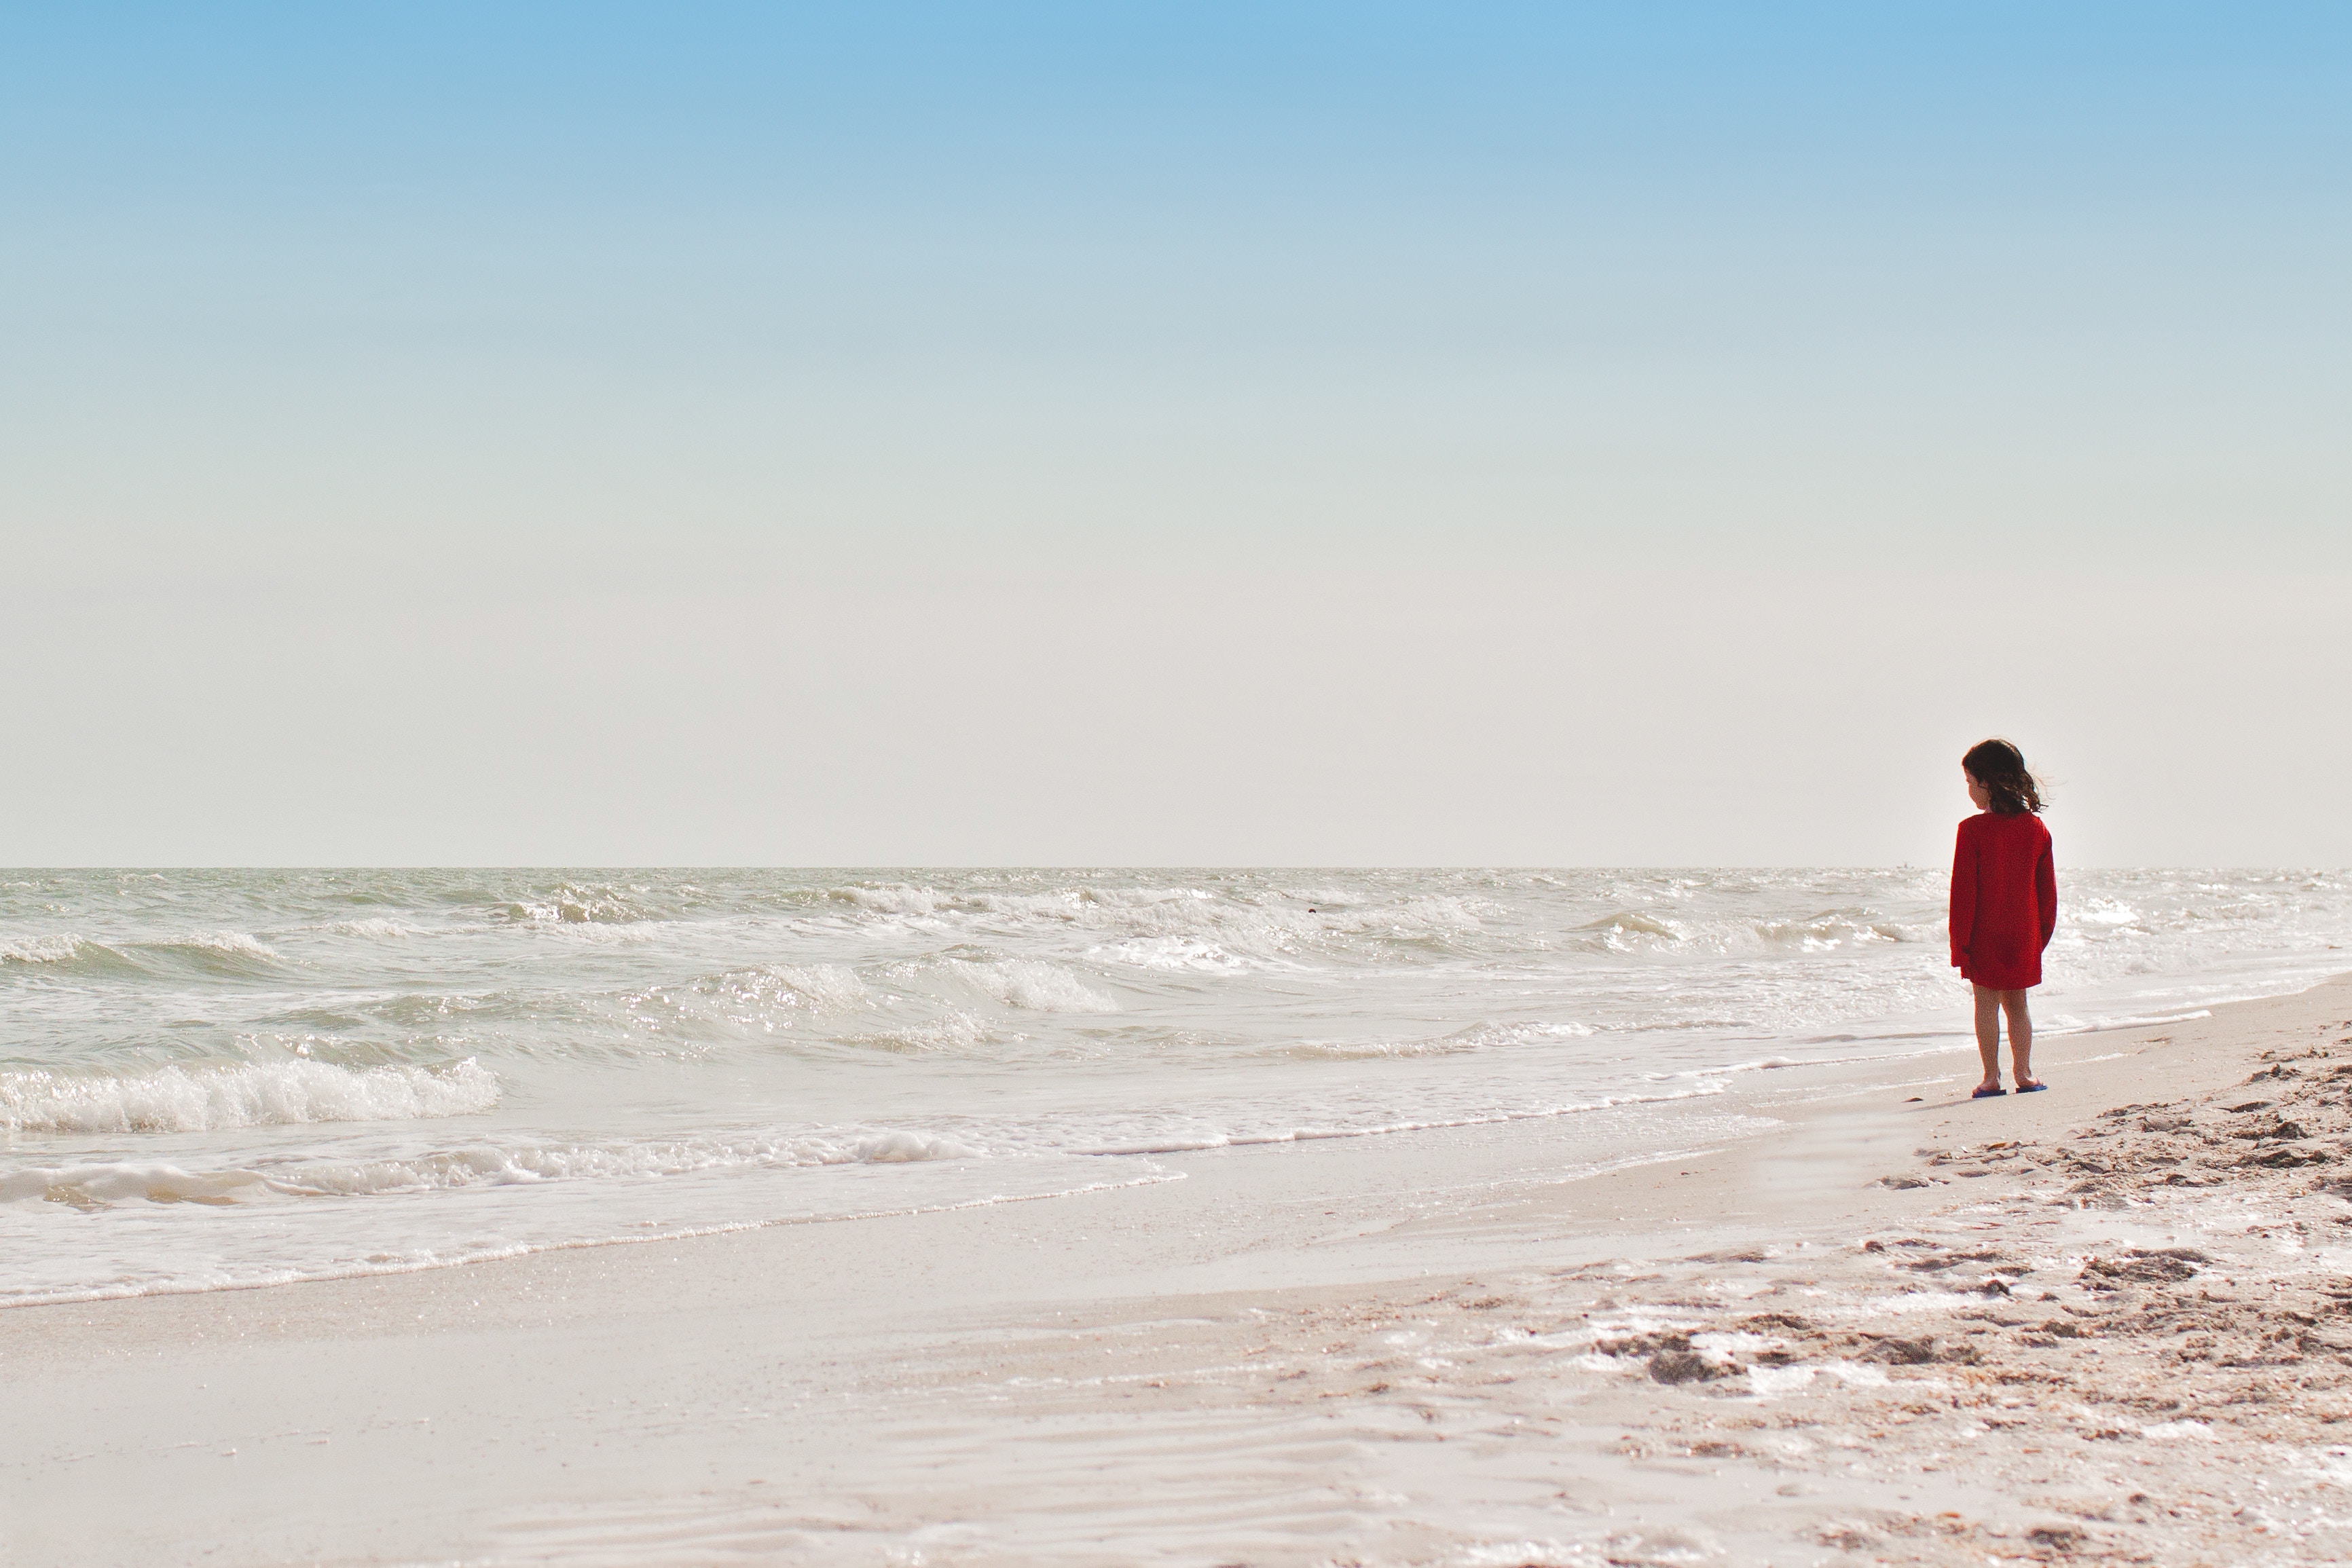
column 2104, row 1323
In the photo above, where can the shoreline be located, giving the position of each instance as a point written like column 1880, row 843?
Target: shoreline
column 1731, row 1072
column 1430, row 1347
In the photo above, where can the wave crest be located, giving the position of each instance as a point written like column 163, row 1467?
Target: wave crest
column 817, row 988
column 374, row 926
column 62, row 952
column 580, row 904
column 1835, row 929
column 956, row 1031
column 246, row 1094
column 59, row 948
column 1033, row 985
column 1628, row 922
column 893, row 898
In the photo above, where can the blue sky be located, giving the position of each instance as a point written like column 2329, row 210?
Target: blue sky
column 681, row 313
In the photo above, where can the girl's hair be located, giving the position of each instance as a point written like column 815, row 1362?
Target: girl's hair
column 2001, row 768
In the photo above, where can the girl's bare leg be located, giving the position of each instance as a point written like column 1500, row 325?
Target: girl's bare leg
column 2020, row 1037
column 1989, row 1033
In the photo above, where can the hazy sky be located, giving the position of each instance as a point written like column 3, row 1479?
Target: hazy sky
column 1349, row 434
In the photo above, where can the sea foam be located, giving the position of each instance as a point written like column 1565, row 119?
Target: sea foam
column 649, row 1054
column 53, row 947
column 489, row 1164
column 198, row 1099
column 99, row 1185
column 1029, row 983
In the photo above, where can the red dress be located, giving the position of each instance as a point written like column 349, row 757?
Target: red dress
column 2004, row 899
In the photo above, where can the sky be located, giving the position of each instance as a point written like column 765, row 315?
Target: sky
column 1368, row 434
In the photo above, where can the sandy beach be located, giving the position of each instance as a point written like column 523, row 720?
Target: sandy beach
column 2102, row 1323
column 1207, row 785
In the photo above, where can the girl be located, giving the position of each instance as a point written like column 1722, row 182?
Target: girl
column 2004, row 905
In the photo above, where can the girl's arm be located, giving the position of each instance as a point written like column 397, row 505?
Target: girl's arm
column 2045, row 891
column 1964, row 897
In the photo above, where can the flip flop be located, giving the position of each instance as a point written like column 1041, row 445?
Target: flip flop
column 1983, row 1094
column 2031, row 1087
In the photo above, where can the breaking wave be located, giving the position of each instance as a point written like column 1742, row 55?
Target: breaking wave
column 58, row 948
column 1031, row 985
column 245, row 1094
column 63, row 954
column 895, row 898
column 376, row 927
column 954, row 1032
column 815, row 988
column 635, row 1051
column 581, row 903
column 238, row 944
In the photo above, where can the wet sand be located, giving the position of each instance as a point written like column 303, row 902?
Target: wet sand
column 2108, row 1322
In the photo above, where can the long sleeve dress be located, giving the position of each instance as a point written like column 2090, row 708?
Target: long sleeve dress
column 2004, row 899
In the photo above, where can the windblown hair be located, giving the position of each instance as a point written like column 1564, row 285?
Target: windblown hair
column 2001, row 768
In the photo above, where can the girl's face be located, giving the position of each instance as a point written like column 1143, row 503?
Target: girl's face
column 1977, row 791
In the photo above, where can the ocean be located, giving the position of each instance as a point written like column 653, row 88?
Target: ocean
column 219, row 1078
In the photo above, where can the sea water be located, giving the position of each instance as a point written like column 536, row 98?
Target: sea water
column 215, row 1078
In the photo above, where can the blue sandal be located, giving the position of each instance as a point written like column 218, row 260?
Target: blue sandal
column 2031, row 1087
column 1983, row 1093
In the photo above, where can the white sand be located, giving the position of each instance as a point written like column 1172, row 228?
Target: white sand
column 1407, row 1349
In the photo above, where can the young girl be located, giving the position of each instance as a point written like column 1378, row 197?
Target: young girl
column 2004, row 905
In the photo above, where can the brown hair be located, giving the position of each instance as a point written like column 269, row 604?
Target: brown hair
column 2001, row 768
